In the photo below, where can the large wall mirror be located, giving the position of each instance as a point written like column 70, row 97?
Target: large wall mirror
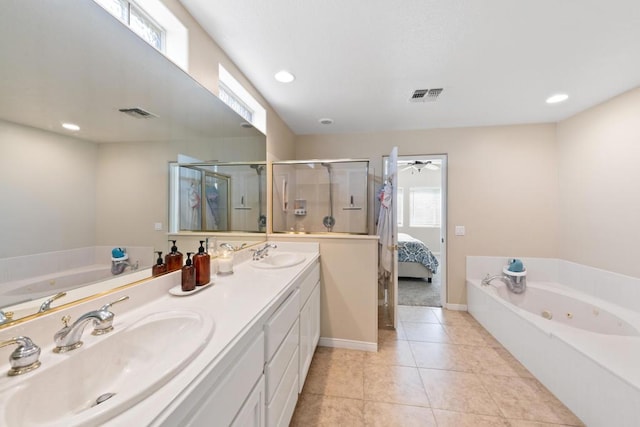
column 69, row 197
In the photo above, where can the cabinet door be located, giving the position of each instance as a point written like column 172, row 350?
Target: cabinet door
column 306, row 354
column 309, row 333
column 252, row 413
column 314, row 300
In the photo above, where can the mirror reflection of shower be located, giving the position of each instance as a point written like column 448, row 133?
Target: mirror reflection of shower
column 217, row 196
column 262, row 218
column 321, row 196
column 329, row 221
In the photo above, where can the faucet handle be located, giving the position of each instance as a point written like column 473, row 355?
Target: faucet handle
column 108, row 306
column 66, row 319
column 46, row 305
column 24, row 358
column 106, row 325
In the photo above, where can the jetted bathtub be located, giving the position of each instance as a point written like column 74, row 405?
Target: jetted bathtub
column 47, row 285
column 585, row 350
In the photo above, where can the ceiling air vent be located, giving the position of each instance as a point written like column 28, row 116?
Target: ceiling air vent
column 138, row 113
column 426, row 95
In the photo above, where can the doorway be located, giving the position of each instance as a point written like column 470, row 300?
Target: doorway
column 421, row 216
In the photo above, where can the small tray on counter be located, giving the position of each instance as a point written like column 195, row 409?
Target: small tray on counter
column 177, row 290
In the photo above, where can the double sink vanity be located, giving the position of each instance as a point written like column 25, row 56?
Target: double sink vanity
column 234, row 354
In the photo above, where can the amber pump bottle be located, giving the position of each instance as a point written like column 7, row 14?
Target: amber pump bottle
column 188, row 275
column 202, row 262
column 173, row 259
column 160, row 267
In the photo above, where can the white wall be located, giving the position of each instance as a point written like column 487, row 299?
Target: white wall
column 502, row 185
column 599, row 171
column 53, row 207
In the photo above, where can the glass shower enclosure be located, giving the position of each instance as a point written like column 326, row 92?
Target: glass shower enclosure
column 320, row 196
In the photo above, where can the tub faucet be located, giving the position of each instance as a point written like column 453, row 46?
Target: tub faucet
column 515, row 284
column 263, row 251
column 70, row 337
column 117, row 267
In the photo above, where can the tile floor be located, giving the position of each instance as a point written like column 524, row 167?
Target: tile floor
column 439, row 368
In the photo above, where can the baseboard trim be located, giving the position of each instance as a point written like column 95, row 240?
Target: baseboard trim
column 457, row 307
column 348, row 344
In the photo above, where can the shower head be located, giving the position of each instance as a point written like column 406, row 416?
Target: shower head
column 326, row 164
column 259, row 168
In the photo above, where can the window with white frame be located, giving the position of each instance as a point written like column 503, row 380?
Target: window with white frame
column 141, row 23
column 154, row 23
column 425, row 207
column 228, row 97
column 400, row 207
column 232, row 93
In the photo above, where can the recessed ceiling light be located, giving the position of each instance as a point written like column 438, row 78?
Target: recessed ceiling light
column 283, row 76
column 326, row 121
column 558, row 97
column 71, row 126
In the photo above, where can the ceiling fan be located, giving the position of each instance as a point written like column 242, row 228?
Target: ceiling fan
column 418, row 165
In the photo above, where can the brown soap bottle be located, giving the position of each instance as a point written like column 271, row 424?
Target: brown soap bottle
column 202, row 262
column 188, row 275
column 160, row 267
column 173, row 259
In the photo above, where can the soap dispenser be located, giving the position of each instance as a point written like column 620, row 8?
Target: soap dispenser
column 188, row 275
column 173, row 259
column 160, row 267
column 202, row 262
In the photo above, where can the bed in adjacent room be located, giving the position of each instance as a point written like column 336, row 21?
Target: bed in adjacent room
column 415, row 259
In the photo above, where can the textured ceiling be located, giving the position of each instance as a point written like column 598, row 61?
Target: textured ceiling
column 359, row 61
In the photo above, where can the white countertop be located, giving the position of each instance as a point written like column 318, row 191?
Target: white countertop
column 237, row 303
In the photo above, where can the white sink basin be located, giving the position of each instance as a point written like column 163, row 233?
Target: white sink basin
column 132, row 363
column 279, row 260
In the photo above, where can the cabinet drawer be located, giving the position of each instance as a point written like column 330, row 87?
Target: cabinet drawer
column 308, row 283
column 281, row 408
column 278, row 326
column 278, row 365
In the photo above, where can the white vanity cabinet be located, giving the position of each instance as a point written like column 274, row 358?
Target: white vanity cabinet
column 291, row 336
column 309, row 322
column 281, row 356
column 229, row 399
column 260, row 377
column 252, row 413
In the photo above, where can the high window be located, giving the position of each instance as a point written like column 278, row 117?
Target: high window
column 141, row 23
column 232, row 93
column 154, row 23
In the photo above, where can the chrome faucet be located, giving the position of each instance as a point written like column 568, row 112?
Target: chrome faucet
column 70, row 337
column 5, row 317
column 263, row 251
column 24, row 358
column 46, row 305
column 514, row 284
